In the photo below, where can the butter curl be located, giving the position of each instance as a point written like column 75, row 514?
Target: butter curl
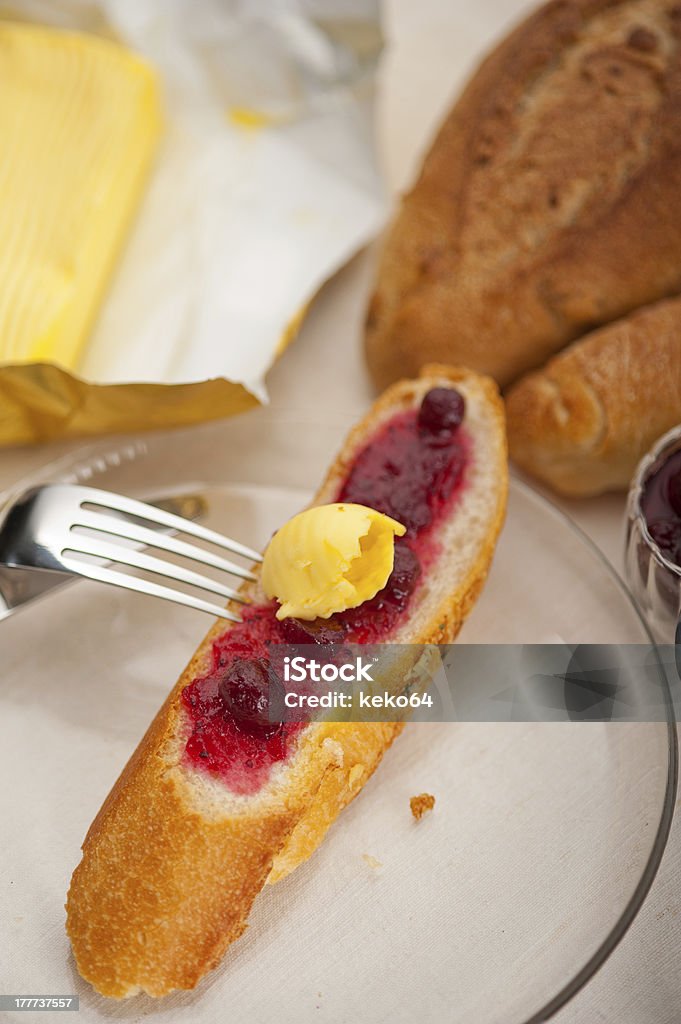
column 328, row 559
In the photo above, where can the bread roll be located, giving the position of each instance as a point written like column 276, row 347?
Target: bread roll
column 549, row 201
column 583, row 422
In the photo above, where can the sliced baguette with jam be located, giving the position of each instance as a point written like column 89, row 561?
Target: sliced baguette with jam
column 175, row 858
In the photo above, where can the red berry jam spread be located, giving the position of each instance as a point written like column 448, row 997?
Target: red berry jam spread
column 412, row 469
column 661, row 506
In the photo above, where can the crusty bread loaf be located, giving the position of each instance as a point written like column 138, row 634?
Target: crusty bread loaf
column 583, row 422
column 549, row 202
column 174, row 860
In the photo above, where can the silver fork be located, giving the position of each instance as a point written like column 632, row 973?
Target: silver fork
column 42, row 529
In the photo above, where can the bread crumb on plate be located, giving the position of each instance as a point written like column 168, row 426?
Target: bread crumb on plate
column 421, row 804
column 371, row 861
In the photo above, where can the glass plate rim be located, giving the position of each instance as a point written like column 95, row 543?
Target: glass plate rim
column 93, row 459
column 631, row 909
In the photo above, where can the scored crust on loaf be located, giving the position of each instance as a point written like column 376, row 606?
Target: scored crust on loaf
column 583, row 422
column 173, row 861
column 548, row 203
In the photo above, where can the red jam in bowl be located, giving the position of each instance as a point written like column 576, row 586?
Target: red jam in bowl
column 661, row 507
column 412, row 469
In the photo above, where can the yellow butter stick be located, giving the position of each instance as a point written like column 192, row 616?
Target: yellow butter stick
column 79, row 122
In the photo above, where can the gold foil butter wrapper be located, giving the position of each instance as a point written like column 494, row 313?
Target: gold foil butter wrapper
column 265, row 183
column 39, row 402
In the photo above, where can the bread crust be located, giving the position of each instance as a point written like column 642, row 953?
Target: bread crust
column 548, row 203
column 166, row 882
column 583, row 423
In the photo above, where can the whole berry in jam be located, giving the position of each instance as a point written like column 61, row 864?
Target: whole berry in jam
column 246, row 691
column 442, row 412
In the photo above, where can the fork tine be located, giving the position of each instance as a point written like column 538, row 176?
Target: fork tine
column 93, row 496
column 120, row 579
column 131, row 531
column 138, row 560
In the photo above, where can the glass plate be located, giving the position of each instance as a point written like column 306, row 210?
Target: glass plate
column 494, row 909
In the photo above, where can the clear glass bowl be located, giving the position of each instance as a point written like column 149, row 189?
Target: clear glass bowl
column 494, row 909
column 654, row 580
